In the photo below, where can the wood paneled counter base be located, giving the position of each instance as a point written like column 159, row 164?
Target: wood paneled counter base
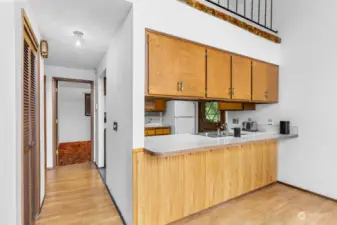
column 170, row 188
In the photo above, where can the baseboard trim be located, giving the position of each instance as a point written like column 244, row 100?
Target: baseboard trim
column 38, row 215
column 310, row 192
column 112, row 198
column 44, row 198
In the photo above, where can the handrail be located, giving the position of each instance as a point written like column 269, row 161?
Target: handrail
column 226, row 6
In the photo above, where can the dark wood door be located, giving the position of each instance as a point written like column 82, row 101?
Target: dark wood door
column 29, row 132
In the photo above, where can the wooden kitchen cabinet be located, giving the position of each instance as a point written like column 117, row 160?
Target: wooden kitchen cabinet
column 181, row 69
column 175, row 67
column 155, row 105
column 241, row 78
column 218, row 74
column 205, row 177
column 163, row 131
column 273, row 83
column 235, row 106
column 264, row 82
column 152, row 131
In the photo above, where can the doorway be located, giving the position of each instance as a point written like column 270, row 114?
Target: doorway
column 73, row 113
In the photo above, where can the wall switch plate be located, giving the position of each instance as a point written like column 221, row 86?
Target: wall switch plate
column 115, row 126
column 270, row 121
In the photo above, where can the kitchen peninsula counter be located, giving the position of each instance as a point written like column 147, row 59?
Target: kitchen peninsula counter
column 175, row 176
column 188, row 143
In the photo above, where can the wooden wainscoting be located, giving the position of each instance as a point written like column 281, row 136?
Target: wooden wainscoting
column 74, row 153
column 170, row 188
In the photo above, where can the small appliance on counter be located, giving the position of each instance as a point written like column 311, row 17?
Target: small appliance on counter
column 237, row 132
column 284, row 127
column 250, row 126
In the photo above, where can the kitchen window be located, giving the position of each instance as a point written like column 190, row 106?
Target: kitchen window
column 210, row 117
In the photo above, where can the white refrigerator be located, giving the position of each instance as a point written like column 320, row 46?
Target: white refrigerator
column 181, row 116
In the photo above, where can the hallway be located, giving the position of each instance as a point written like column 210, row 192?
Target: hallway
column 76, row 194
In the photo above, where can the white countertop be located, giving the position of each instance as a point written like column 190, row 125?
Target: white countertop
column 155, row 125
column 187, row 143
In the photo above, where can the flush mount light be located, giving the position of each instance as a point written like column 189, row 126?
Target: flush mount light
column 79, row 38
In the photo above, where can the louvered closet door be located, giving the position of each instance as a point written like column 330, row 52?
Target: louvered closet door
column 27, row 138
column 29, row 130
column 33, row 119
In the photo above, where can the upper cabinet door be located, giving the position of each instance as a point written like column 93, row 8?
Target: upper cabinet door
column 241, row 78
column 265, row 82
column 273, row 83
column 260, row 81
column 175, row 67
column 218, row 74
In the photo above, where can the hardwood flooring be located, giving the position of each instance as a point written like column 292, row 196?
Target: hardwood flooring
column 76, row 195
column 277, row 204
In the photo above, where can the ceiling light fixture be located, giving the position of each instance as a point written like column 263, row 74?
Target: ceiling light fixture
column 79, row 38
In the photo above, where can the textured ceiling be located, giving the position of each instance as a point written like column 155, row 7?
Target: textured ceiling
column 97, row 19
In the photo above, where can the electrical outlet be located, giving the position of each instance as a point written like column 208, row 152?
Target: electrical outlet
column 236, row 121
column 270, row 121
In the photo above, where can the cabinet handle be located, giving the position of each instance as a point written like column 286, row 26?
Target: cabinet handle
column 266, row 93
column 229, row 91
column 178, row 86
column 233, row 91
column 182, row 86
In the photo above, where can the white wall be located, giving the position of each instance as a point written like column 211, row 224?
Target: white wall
column 8, row 160
column 307, row 95
column 74, row 125
column 119, row 74
column 54, row 71
column 308, row 79
column 193, row 25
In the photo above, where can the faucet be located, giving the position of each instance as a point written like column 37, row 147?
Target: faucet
column 224, row 127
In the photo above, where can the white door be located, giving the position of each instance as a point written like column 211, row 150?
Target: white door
column 185, row 125
column 184, row 109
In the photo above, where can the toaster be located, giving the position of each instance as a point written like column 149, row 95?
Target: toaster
column 249, row 126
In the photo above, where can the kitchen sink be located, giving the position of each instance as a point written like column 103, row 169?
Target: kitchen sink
column 215, row 134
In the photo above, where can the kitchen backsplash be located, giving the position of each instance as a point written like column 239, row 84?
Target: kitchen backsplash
column 268, row 118
column 153, row 118
column 263, row 115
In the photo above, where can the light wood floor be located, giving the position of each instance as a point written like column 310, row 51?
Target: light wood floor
column 275, row 205
column 76, row 195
